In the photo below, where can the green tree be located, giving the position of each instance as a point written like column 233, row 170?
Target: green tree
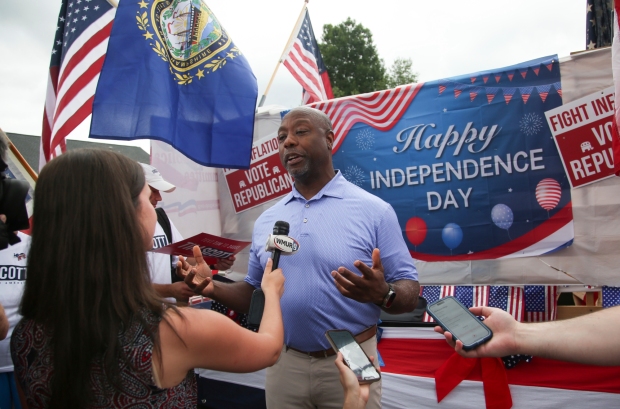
column 351, row 59
column 400, row 73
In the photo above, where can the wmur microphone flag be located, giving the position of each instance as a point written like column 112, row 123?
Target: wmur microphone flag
column 173, row 74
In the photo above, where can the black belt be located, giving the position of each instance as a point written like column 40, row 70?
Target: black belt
column 361, row 337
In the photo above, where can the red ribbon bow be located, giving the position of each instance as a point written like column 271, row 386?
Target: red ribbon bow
column 494, row 379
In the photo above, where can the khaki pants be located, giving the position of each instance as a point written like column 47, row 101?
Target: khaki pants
column 300, row 381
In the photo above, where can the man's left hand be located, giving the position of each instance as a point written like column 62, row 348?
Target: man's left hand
column 370, row 287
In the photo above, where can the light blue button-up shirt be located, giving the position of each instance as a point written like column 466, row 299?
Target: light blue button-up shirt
column 340, row 224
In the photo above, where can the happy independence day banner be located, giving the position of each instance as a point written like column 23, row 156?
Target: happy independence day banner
column 468, row 163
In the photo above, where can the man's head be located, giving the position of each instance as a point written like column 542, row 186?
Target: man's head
column 305, row 138
column 157, row 183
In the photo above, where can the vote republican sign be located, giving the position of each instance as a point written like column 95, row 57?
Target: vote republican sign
column 582, row 133
column 265, row 180
column 468, row 163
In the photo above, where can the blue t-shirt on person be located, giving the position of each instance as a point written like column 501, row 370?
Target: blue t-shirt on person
column 340, row 224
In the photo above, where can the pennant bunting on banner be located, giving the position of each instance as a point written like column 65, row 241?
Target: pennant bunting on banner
column 543, row 91
column 558, row 87
column 473, row 79
column 510, row 75
column 541, row 303
column 458, row 89
column 525, row 93
column 536, row 70
column 473, row 93
column 490, row 94
column 442, row 88
column 523, row 72
column 485, row 79
column 508, row 93
column 497, row 77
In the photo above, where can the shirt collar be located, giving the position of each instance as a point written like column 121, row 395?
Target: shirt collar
column 333, row 188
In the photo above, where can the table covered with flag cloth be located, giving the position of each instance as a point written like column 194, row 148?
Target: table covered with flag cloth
column 413, row 354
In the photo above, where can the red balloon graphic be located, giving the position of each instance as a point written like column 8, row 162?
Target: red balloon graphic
column 548, row 193
column 416, row 230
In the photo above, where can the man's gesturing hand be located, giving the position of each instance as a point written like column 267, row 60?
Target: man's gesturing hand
column 369, row 287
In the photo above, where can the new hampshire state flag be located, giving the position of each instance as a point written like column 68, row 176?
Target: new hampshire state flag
column 173, row 74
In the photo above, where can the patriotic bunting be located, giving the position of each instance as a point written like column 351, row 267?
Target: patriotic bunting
column 611, row 296
column 490, row 93
column 531, row 303
column 543, row 91
column 508, row 92
column 525, row 93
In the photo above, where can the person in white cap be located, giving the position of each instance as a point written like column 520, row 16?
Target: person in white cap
column 163, row 266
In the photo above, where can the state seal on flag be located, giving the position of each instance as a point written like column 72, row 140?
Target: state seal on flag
column 186, row 34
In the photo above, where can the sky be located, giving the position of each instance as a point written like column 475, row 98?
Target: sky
column 443, row 38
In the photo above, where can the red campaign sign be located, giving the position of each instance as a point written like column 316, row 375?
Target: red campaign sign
column 264, row 181
column 212, row 247
column 582, row 133
column 587, row 152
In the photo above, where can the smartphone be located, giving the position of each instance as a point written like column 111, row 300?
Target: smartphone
column 257, row 305
column 353, row 354
column 454, row 317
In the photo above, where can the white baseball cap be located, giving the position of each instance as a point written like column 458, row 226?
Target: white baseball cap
column 155, row 180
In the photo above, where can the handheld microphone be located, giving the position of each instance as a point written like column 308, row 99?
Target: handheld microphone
column 279, row 244
column 279, row 229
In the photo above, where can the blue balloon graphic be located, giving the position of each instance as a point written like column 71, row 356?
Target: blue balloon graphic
column 452, row 235
column 502, row 216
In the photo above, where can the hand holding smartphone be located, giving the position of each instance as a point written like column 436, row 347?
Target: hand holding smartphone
column 455, row 318
column 353, row 355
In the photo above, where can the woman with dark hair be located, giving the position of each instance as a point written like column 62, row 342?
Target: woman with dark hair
column 94, row 332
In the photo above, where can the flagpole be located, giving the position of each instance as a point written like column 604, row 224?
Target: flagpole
column 22, row 160
column 301, row 15
column 113, row 3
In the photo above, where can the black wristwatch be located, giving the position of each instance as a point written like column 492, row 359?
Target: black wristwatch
column 389, row 297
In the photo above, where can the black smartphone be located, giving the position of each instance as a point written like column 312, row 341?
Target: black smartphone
column 454, row 317
column 257, row 305
column 353, row 354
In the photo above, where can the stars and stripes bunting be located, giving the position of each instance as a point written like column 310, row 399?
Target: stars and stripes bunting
column 524, row 303
column 540, row 303
column 381, row 110
column 611, row 296
column 79, row 49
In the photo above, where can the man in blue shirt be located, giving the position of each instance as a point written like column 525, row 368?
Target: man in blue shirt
column 352, row 262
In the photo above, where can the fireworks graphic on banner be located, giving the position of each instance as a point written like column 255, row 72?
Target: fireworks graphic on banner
column 531, row 124
column 354, row 174
column 365, row 140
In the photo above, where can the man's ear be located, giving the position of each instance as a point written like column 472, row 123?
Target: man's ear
column 329, row 136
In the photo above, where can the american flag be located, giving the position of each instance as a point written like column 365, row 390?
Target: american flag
column 381, row 110
column 541, row 303
column 599, row 23
column 79, row 49
column 611, row 296
column 508, row 298
column 305, row 62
